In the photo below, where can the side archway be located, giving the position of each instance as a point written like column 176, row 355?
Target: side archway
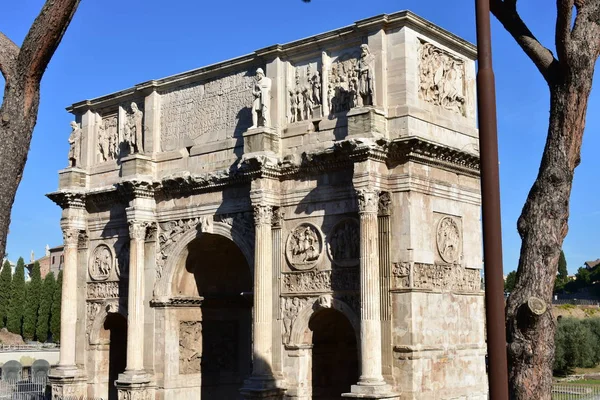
column 176, row 257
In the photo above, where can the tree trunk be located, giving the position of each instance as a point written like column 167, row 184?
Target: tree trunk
column 15, row 137
column 23, row 70
column 543, row 226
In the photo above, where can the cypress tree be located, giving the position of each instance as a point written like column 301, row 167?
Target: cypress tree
column 17, row 299
column 43, row 320
column 32, row 303
column 55, row 317
column 5, row 284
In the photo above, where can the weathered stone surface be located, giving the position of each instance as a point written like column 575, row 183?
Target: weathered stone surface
column 262, row 221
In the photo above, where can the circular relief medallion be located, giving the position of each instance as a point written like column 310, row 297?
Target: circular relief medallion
column 304, row 246
column 344, row 243
column 101, row 263
column 448, row 240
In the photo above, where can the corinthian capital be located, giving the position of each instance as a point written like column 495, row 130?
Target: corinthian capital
column 385, row 203
column 368, row 200
column 263, row 214
column 70, row 237
column 137, row 229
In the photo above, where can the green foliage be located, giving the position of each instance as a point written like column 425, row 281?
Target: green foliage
column 43, row 320
column 17, row 299
column 5, row 284
column 511, row 280
column 55, row 313
column 577, row 344
column 562, row 278
column 32, row 302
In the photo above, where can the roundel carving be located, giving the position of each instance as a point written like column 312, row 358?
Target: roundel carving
column 448, row 240
column 304, row 246
column 101, row 263
column 344, row 243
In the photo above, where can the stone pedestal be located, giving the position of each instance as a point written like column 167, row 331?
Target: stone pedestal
column 136, row 164
column 135, row 387
column 366, row 122
column 261, row 139
column 72, row 178
column 67, row 386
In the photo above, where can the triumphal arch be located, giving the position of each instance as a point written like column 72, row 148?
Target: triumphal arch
column 299, row 223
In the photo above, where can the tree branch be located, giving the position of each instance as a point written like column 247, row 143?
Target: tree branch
column 42, row 40
column 506, row 13
column 9, row 52
column 562, row 36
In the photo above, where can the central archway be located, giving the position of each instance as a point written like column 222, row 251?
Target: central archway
column 217, row 270
column 334, row 354
column 116, row 325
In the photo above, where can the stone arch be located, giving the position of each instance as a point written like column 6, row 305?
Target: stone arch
column 176, row 257
column 300, row 325
column 106, row 308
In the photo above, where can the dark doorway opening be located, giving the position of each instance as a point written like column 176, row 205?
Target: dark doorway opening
column 116, row 324
column 334, row 355
column 221, row 275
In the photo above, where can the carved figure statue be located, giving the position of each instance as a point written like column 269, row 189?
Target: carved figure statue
column 75, row 143
column 102, row 142
column 308, row 103
column 316, row 87
column 133, row 129
column 293, row 106
column 262, row 98
column 365, row 69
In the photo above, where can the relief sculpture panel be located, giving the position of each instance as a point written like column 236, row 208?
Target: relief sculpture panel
column 221, row 106
column 448, row 240
column 439, row 277
column 342, row 279
column 101, row 263
column 305, row 93
column 441, row 78
column 344, row 243
column 190, row 347
column 304, row 246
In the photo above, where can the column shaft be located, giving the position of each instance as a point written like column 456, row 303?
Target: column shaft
column 68, row 301
column 386, row 314
column 135, row 301
column 263, row 292
column 370, row 327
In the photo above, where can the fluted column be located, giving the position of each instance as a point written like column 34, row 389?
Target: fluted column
column 263, row 292
column 135, row 301
column 370, row 316
column 68, row 301
column 277, row 265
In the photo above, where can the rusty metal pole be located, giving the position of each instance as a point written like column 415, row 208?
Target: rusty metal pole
column 490, row 193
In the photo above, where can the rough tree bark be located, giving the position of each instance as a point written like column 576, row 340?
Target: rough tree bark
column 543, row 223
column 23, row 69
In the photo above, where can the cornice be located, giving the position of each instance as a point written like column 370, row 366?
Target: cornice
column 68, row 199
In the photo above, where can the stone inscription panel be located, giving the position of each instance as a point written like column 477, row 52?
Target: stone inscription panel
column 208, row 111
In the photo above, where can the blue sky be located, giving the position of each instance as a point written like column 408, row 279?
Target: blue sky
column 112, row 45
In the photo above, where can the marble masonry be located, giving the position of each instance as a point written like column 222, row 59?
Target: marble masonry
column 299, row 223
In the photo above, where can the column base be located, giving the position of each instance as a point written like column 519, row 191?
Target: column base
column 135, row 385
column 374, row 392
column 262, row 387
column 67, row 382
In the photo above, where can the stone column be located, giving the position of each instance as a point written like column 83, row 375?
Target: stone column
column 261, row 384
column 371, row 384
column 135, row 300
column 134, row 382
column 68, row 301
column 383, row 222
column 277, row 264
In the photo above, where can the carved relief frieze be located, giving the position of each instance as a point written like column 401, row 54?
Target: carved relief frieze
column 443, row 277
column 304, row 93
column 449, row 240
column 351, row 81
column 92, row 311
column 441, row 78
column 344, row 243
column 102, row 290
column 101, row 263
column 304, row 246
column 193, row 111
column 190, row 346
column 108, row 138
column 290, row 308
column 135, row 394
column 343, row 279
